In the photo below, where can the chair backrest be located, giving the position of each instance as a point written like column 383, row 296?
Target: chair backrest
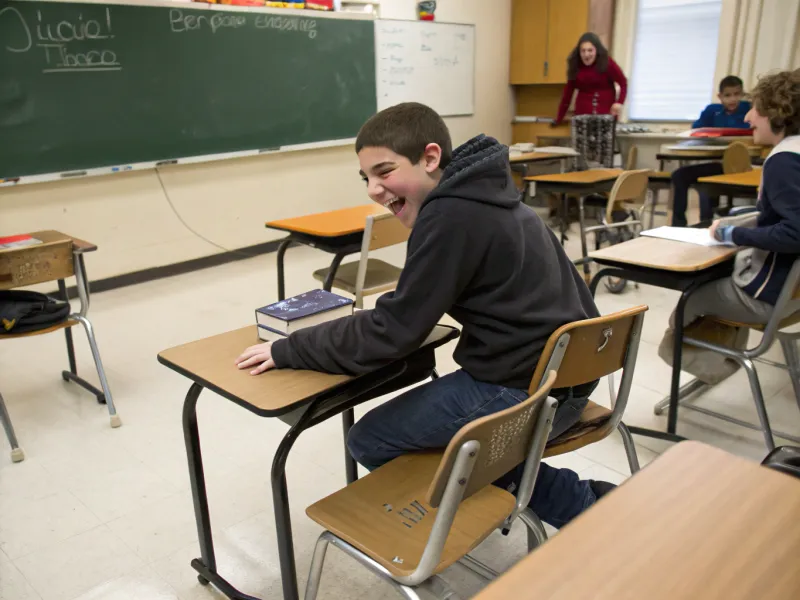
column 787, row 305
column 593, row 139
column 584, row 351
column 633, row 158
column 736, row 159
column 631, row 186
column 504, row 441
column 380, row 231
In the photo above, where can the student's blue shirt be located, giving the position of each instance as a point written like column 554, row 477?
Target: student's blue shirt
column 715, row 115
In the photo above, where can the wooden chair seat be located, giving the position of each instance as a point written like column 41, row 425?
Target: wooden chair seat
column 52, row 328
column 385, row 514
column 381, row 276
column 593, row 426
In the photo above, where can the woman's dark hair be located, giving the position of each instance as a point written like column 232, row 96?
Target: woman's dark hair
column 574, row 58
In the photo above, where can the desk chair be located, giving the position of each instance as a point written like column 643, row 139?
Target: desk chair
column 621, row 220
column 49, row 261
column 735, row 159
column 585, row 351
column 380, row 520
column 658, row 180
column 785, row 314
column 370, row 275
column 410, row 519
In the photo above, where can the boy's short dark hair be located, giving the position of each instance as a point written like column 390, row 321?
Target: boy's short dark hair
column 777, row 96
column 407, row 129
column 731, row 81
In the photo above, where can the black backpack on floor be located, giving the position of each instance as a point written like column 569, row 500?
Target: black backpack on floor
column 22, row 311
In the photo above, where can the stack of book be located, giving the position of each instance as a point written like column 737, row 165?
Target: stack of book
column 279, row 320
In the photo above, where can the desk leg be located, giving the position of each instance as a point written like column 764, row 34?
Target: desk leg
column 564, row 217
column 206, row 566
column 670, row 434
column 283, row 518
column 584, row 250
column 350, row 466
column 281, row 281
column 677, row 356
column 337, row 260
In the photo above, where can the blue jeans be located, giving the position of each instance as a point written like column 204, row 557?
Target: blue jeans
column 429, row 416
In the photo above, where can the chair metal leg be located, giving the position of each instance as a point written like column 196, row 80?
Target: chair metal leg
column 792, row 356
column 438, row 588
column 317, row 562
column 98, row 363
column 630, row 447
column 434, row 375
column 536, row 533
column 17, row 454
column 758, row 398
column 477, row 567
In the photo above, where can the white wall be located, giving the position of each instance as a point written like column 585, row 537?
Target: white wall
column 129, row 218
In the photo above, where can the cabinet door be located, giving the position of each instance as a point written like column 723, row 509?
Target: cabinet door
column 567, row 21
column 528, row 41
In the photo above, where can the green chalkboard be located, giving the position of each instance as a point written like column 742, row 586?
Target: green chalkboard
column 88, row 85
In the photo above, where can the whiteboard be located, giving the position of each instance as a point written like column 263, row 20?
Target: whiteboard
column 427, row 62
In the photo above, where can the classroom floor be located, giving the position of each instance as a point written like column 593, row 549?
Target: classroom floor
column 101, row 514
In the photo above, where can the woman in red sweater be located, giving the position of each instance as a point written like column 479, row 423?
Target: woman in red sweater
column 592, row 72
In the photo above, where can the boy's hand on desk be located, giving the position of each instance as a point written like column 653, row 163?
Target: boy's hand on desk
column 261, row 355
column 713, row 229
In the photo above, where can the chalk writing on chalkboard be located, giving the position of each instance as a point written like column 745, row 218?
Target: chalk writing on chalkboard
column 67, row 45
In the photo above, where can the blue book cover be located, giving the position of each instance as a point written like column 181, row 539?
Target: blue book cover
column 304, row 305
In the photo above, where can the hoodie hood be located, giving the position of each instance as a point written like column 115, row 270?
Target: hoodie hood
column 479, row 171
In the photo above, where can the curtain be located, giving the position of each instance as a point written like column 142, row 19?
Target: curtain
column 757, row 37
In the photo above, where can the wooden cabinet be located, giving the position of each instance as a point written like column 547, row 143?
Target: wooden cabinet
column 543, row 33
column 528, row 40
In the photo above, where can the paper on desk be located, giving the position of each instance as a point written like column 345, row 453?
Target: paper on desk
column 689, row 235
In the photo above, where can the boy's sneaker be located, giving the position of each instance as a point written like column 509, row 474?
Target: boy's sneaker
column 600, row 488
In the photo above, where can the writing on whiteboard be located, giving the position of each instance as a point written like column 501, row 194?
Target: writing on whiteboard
column 68, row 45
column 426, row 62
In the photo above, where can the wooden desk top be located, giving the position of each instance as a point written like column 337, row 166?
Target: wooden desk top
column 747, row 179
column 333, row 223
column 696, row 523
column 210, row 362
column 578, row 177
column 665, row 255
column 50, row 236
column 538, row 156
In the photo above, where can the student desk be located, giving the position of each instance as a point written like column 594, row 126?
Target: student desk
column 337, row 231
column 576, row 183
column 671, row 265
column 695, row 523
column 302, row 399
column 735, row 185
column 704, row 154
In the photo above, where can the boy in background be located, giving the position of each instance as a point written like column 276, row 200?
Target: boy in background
column 769, row 238
column 729, row 113
column 477, row 253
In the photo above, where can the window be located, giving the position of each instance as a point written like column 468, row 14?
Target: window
column 674, row 56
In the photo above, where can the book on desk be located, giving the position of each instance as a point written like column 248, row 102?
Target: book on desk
column 281, row 319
